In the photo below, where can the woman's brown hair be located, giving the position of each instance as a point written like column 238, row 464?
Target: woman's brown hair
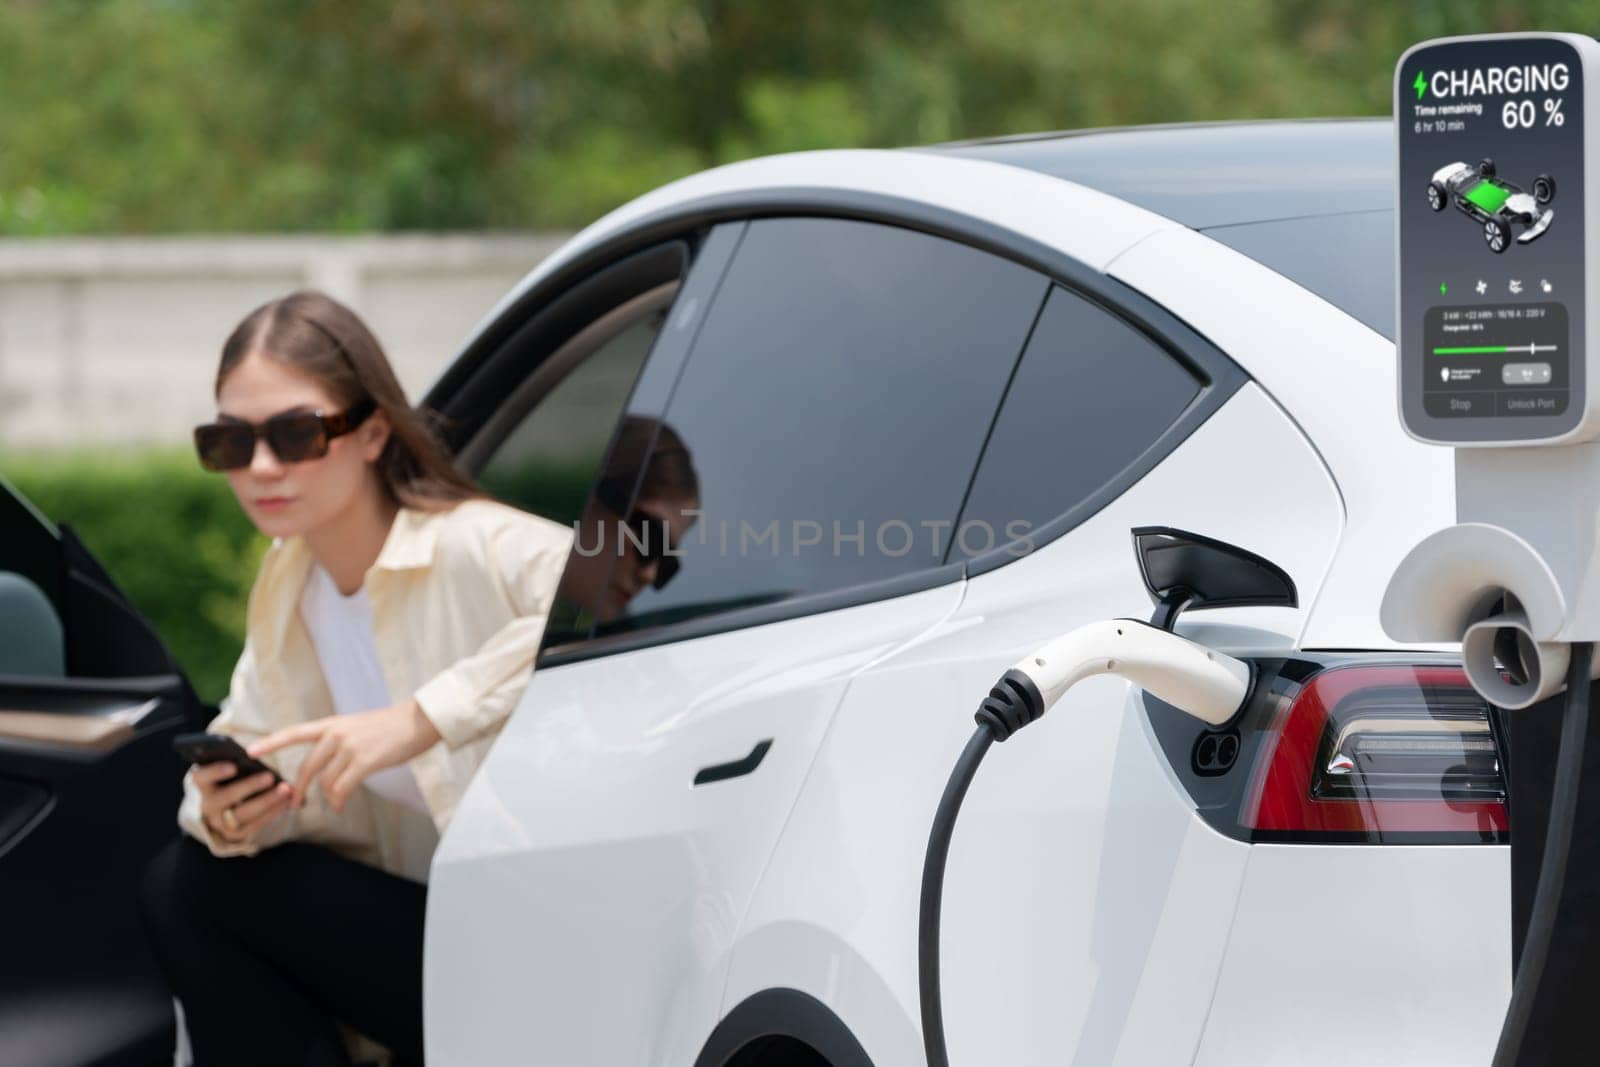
column 652, row 446
column 315, row 333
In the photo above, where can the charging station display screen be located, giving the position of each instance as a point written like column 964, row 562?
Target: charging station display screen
column 1491, row 229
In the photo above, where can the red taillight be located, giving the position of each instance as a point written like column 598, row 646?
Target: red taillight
column 1376, row 750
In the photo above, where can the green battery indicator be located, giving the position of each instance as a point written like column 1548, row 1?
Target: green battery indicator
column 1478, row 350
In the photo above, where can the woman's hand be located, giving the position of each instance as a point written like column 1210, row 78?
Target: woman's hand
column 252, row 814
column 349, row 748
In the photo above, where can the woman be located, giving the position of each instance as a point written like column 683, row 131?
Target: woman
column 390, row 630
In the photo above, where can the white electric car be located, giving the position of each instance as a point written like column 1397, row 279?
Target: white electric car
column 927, row 396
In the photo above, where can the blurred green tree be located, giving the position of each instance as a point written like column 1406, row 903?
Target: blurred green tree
column 148, row 116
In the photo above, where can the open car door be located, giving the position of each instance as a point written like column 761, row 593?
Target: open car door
column 90, row 700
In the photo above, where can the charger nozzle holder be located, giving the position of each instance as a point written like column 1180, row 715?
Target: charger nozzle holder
column 1488, row 588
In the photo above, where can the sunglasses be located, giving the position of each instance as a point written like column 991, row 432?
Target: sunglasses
column 293, row 436
column 651, row 536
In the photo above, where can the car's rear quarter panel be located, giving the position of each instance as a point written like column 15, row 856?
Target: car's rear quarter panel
column 1087, row 908
column 1392, row 954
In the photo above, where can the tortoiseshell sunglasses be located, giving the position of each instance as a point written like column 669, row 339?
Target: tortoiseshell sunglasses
column 292, row 436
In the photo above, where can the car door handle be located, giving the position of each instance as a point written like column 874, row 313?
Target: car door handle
column 736, row 769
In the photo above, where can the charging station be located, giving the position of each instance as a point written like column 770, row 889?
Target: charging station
column 1493, row 339
column 1495, row 254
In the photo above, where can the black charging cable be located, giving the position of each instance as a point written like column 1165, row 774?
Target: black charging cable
column 1013, row 703
column 1553, row 864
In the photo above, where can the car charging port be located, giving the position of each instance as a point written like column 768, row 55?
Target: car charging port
column 1215, row 753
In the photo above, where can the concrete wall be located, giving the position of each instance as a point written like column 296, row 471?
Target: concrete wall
column 115, row 340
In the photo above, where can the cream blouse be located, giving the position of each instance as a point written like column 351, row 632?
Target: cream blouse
column 459, row 602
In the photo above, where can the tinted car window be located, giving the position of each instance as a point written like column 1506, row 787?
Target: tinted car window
column 826, row 424
column 1090, row 394
column 548, row 461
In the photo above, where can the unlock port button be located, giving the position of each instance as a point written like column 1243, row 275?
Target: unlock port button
column 1541, row 402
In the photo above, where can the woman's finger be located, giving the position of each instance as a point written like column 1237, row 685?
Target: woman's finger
column 212, row 815
column 235, row 793
column 331, row 773
column 230, row 793
column 289, row 735
column 319, row 757
column 259, row 810
column 207, row 775
column 349, row 781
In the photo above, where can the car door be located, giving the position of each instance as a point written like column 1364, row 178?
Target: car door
column 830, row 383
column 90, row 700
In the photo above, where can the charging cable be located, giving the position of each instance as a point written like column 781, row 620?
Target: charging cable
column 1553, row 864
column 1206, row 684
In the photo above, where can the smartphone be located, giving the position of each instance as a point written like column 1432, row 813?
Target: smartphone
column 201, row 749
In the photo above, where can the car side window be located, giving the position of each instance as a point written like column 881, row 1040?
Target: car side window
column 552, row 412
column 548, row 460
column 824, row 428
column 1090, row 395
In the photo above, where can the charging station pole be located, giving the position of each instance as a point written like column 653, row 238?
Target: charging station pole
column 1496, row 350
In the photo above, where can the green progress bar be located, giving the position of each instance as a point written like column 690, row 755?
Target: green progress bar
column 1468, row 351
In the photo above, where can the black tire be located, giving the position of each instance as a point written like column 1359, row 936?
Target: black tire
column 1437, row 198
column 778, row 1052
column 1486, row 168
column 1544, row 188
column 1497, row 235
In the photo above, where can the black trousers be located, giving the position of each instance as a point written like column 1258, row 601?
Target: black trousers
column 266, row 952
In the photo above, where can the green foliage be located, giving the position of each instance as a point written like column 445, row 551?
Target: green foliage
column 184, row 115
column 171, row 536
column 553, row 486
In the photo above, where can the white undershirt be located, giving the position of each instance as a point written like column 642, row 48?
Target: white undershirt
column 341, row 630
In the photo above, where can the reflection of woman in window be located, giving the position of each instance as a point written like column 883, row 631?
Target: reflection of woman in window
column 619, row 550
column 391, row 628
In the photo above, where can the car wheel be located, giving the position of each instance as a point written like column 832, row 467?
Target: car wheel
column 1486, row 168
column 1497, row 235
column 1436, row 197
column 1544, row 188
